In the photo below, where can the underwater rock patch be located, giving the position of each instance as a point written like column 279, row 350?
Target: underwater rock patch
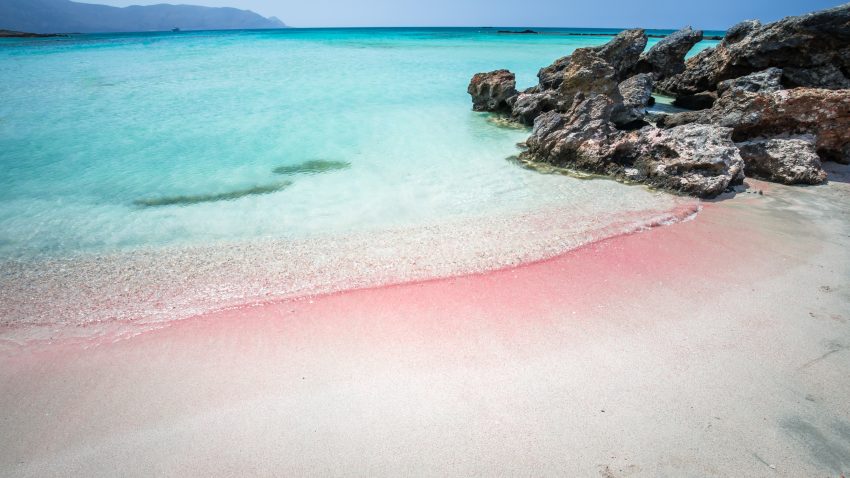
column 314, row 166
column 187, row 200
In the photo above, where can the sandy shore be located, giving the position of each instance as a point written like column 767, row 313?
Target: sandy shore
column 714, row 347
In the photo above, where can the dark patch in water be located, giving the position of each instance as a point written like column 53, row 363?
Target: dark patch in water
column 200, row 198
column 314, row 166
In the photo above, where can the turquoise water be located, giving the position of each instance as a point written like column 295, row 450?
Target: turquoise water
column 119, row 141
column 146, row 178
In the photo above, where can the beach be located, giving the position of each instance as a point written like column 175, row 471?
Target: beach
column 715, row 346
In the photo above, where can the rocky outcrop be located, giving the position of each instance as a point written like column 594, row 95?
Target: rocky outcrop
column 589, row 110
column 783, row 160
column 699, row 160
column 491, row 91
column 694, row 159
column 621, row 53
column 551, row 76
column 815, row 44
column 825, row 114
column 667, row 57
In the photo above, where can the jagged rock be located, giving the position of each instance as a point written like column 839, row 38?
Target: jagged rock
column 783, row 160
column 819, row 112
column 762, row 81
column 621, row 53
column 810, row 41
column 580, row 138
column 551, row 76
column 699, row 160
column 695, row 159
column 588, row 74
column 529, row 106
column 637, row 94
column 589, row 109
column 667, row 57
column 491, row 91
column 827, row 76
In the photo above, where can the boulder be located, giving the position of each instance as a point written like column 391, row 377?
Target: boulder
column 792, row 160
column 698, row 160
column 826, row 76
column 579, row 139
column 817, row 41
column 762, row 81
column 623, row 51
column 551, row 76
column 588, row 74
column 667, row 57
column 825, row 114
column 622, row 54
column 529, row 106
column 819, row 112
column 695, row 159
column 491, row 91
column 637, row 95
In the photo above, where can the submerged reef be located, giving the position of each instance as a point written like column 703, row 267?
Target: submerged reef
column 314, row 166
column 187, row 200
column 770, row 101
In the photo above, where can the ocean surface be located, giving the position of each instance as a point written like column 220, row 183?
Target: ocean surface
column 149, row 176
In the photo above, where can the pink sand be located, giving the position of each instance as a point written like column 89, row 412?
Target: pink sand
column 715, row 347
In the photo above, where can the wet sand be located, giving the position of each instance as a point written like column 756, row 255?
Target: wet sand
column 714, row 347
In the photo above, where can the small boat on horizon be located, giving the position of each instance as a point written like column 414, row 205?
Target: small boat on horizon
column 175, row 30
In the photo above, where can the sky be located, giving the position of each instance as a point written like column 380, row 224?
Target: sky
column 705, row 14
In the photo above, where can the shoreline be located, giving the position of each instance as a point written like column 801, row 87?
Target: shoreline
column 126, row 293
column 727, row 334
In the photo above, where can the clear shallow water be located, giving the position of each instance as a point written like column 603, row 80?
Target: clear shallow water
column 192, row 152
column 91, row 126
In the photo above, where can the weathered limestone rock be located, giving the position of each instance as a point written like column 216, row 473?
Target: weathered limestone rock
column 621, row 53
column 814, row 42
column 762, row 81
column 694, row 159
column 529, row 106
column 699, row 160
column 637, row 93
column 588, row 74
column 589, row 109
column 551, row 76
column 822, row 113
column 783, row 160
column 491, row 91
column 667, row 57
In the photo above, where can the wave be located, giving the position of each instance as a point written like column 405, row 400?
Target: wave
column 111, row 296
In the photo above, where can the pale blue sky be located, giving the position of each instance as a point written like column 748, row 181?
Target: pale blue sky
column 707, row 14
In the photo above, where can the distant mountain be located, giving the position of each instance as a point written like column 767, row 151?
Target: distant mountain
column 65, row 16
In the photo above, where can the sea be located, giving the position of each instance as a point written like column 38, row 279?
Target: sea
column 150, row 177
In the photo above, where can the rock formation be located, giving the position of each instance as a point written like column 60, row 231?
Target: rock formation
column 813, row 50
column 589, row 108
column 783, row 160
column 667, row 57
column 491, row 91
column 772, row 112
